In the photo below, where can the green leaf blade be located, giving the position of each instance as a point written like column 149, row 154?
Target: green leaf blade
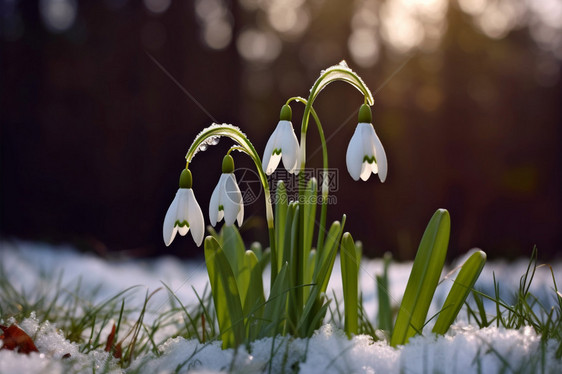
column 225, row 294
column 460, row 290
column 349, row 273
column 424, row 277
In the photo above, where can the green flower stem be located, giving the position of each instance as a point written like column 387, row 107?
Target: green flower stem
column 244, row 144
column 340, row 72
column 236, row 148
column 323, row 211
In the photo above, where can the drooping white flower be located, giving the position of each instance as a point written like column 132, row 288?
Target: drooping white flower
column 365, row 153
column 184, row 214
column 226, row 201
column 282, row 143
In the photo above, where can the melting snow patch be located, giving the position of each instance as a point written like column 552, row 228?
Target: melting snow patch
column 465, row 349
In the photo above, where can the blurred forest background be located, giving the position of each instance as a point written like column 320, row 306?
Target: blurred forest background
column 100, row 101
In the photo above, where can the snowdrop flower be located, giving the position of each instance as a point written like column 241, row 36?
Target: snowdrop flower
column 184, row 213
column 365, row 153
column 226, row 200
column 282, row 143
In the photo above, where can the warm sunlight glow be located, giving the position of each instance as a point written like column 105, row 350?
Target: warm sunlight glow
column 258, row 46
column 408, row 24
column 363, row 42
column 473, row 7
column 58, row 15
column 157, row 6
column 364, row 47
column 216, row 22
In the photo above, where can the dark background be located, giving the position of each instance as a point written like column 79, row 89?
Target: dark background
column 95, row 121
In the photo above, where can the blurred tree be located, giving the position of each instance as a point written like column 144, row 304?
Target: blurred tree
column 100, row 100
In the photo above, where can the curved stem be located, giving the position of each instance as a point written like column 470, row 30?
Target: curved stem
column 217, row 130
column 339, row 72
column 237, row 148
column 325, row 180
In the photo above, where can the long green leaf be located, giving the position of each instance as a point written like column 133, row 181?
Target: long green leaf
column 423, row 280
column 292, row 215
column 276, row 305
column 281, row 207
column 383, row 293
column 309, row 267
column 233, row 247
column 254, row 294
column 309, row 206
column 349, row 275
column 295, row 273
column 329, row 252
column 225, row 294
column 460, row 290
column 322, row 272
column 263, row 256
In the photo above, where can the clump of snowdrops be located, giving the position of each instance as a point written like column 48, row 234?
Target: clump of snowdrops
column 301, row 267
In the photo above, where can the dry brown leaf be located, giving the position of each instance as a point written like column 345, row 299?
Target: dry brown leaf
column 15, row 339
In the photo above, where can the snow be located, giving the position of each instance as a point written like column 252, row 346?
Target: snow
column 465, row 349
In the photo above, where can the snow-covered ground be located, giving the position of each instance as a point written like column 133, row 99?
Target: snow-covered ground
column 466, row 349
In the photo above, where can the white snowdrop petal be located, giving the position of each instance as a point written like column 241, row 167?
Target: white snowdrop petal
column 196, row 220
column 168, row 231
column 380, row 155
column 374, row 168
column 214, row 204
column 366, row 171
column 183, row 204
column 240, row 217
column 354, row 155
column 367, row 134
column 271, row 145
column 182, row 230
column 273, row 163
column 289, row 146
column 231, row 197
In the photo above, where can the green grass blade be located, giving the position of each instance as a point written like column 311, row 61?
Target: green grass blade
column 424, row 277
column 349, row 274
column 460, row 290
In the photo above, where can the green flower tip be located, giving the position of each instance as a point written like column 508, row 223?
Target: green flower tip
column 186, row 181
column 227, row 164
column 442, row 212
column 365, row 114
column 286, row 113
